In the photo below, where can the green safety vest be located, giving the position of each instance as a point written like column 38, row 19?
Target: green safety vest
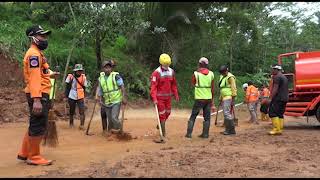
column 110, row 89
column 225, row 88
column 202, row 88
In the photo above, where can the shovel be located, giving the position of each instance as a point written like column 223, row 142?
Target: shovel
column 159, row 125
column 234, row 119
column 122, row 118
column 87, row 131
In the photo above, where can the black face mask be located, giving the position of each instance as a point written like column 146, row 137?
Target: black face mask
column 42, row 45
column 77, row 75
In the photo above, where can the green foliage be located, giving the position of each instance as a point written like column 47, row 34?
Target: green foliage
column 243, row 35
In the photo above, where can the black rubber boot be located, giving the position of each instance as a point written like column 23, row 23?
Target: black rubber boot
column 71, row 121
column 82, row 118
column 230, row 129
column 163, row 128
column 189, row 129
column 205, row 129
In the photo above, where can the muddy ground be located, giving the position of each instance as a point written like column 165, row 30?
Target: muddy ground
column 250, row 153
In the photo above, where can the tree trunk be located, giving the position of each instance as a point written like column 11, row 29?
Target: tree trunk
column 68, row 61
column 98, row 51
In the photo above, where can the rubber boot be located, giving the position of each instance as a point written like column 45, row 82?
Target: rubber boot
column 230, row 129
column 205, row 129
column 281, row 124
column 24, row 151
column 82, row 119
column 34, row 158
column 71, row 121
column 163, row 128
column 189, row 129
column 276, row 126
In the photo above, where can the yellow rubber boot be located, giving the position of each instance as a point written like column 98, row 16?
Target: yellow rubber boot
column 262, row 117
column 276, row 126
column 281, row 124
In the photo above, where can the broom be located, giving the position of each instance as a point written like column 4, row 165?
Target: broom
column 51, row 136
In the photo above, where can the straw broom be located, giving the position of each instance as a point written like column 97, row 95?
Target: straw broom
column 51, row 136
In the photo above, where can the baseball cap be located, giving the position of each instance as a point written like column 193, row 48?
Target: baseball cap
column 204, row 60
column 35, row 30
column 108, row 62
column 276, row 66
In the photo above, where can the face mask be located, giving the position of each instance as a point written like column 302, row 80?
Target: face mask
column 42, row 45
column 77, row 75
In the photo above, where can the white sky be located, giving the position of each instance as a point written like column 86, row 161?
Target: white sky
column 308, row 7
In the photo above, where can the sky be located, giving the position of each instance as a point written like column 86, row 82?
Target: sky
column 308, row 7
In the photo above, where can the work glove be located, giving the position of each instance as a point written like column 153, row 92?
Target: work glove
column 155, row 102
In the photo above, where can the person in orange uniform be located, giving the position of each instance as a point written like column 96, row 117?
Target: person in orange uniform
column 163, row 87
column 265, row 94
column 252, row 99
column 37, row 79
column 75, row 92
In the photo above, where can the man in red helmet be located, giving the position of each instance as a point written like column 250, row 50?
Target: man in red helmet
column 163, row 87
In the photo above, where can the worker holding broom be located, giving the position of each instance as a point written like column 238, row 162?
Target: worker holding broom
column 112, row 96
column 163, row 87
column 203, row 82
column 37, row 79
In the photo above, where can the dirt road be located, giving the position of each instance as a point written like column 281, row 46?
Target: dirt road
column 251, row 153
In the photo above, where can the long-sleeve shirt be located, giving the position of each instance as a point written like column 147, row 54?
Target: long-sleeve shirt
column 163, row 84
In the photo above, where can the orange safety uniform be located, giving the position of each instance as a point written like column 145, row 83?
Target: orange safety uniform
column 265, row 93
column 252, row 94
column 36, row 72
column 81, row 79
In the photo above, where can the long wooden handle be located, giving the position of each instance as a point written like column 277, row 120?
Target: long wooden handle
column 94, row 107
column 216, row 121
column 122, row 117
column 159, row 125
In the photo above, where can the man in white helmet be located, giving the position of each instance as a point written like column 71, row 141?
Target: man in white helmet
column 163, row 87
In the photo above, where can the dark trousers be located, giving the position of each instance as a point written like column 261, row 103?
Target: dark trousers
column 205, row 106
column 110, row 117
column 38, row 123
column 277, row 109
column 72, row 105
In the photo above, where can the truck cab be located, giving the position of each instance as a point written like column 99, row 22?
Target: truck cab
column 303, row 75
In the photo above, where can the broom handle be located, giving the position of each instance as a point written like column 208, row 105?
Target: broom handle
column 216, row 121
column 122, row 117
column 94, row 107
column 159, row 125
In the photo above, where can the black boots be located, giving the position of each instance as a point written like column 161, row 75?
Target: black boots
column 82, row 118
column 163, row 128
column 205, row 129
column 189, row 129
column 230, row 129
column 71, row 121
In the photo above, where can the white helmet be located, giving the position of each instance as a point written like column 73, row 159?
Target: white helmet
column 245, row 85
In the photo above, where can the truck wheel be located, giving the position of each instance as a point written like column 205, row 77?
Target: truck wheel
column 318, row 114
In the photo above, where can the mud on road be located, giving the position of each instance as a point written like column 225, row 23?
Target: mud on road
column 251, row 153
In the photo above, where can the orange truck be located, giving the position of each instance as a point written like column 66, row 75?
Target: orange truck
column 304, row 83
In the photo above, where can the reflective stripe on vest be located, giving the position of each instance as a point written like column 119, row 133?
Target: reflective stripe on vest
column 165, row 74
column 203, row 85
column 225, row 87
column 111, row 91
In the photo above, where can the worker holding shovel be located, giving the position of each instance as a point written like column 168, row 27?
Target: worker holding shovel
column 163, row 87
column 112, row 95
column 228, row 93
column 203, row 82
column 37, row 79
